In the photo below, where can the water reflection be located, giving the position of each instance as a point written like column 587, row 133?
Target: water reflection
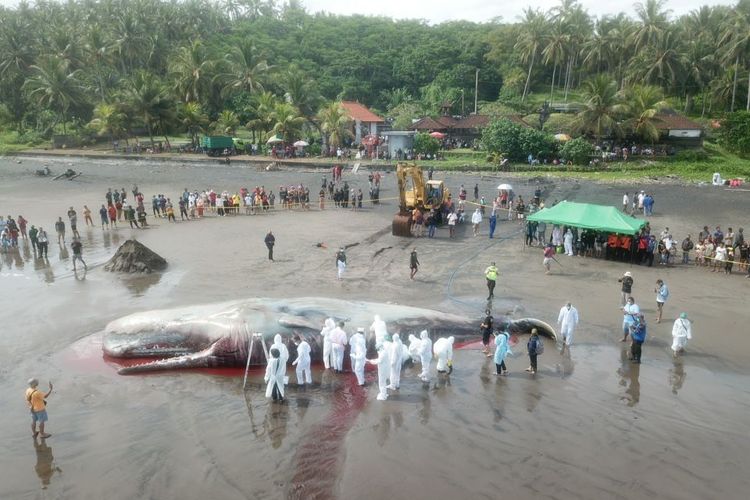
column 677, row 374
column 138, row 284
column 388, row 420
column 26, row 249
column 80, row 273
column 44, row 462
column 64, row 252
column 275, row 423
column 629, row 374
column 566, row 365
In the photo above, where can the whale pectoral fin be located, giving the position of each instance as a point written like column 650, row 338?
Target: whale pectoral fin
column 291, row 321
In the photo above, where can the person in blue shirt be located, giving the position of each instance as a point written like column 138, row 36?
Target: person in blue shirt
column 638, row 334
column 502, row 349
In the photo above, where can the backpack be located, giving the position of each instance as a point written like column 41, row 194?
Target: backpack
column 539, row 347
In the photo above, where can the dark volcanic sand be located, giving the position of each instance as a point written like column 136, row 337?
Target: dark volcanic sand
column 590, row 425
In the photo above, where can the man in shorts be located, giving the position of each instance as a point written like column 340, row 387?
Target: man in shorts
column 37, row 402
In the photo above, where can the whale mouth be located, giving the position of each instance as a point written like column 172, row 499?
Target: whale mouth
column 155, row 345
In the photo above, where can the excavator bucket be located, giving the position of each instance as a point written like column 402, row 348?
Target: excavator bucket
column 401, row 225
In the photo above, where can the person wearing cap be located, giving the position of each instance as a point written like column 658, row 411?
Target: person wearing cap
column 491, row 274
column 340, row 263
column 681, row 333
column 627, row 287
column 37, row 402
column 630, row 312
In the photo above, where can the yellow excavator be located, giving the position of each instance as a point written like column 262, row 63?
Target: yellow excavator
column 417, row 193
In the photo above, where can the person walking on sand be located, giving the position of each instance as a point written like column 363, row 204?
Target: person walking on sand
column 627, row 287
column 493, row 224
column 491, row 274
column 73, row 217
column 413, row 263
column 630, row 312
column 549, row 256
column 486, row 328
column 270, row 241
column 60, row 229
column 77, row 248
column 681, row 332
column 662, row 294
column 476, row 219
column 568, row 320
column 534, row 347
column 42, row 242
column 452, row 220
column 340, row 263
column 87, row 216
column 37, row 402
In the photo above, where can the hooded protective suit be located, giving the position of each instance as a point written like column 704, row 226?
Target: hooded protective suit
column 283, row 351
column 568, row 320
column 303, row 363
column 396, row 355
column 358, row 352
column 414, row 346
column 275, row 376
column 502, row 348
column 384, row 369
column 443, row 350
column 326, row 334
column 338, row 344
column 681, row 333
column 379, row 329
column 425, row 355
column 568, row 242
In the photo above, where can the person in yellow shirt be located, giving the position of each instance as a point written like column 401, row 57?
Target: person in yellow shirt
column 37, row 403
column 491, row 274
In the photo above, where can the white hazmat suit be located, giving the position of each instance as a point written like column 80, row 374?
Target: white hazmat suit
column 397, row 356
column 568, row 320
column 275, row 376
column 425, row 355
column 379, row 329
column 681, row 333
column 303, row 363
column 283, row 351
column 568, row 242
column 326, row 334
column 384, row 369
column 415, row 345
column 338, row 344
column 443, row 350
column 358, row 353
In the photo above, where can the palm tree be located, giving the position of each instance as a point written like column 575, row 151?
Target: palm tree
column 226, row 123
column 662, row 62
column 109, row 120
column 146, row 98
column 54, row 86
column 194, row 119
column 554, row 52
column 262, row 110
column 190, row 71
column 246, row 70
column 600, row 112
column 287, row 122
column 530, row 39
column 335, row 124
column 653, row 22
column 641, row 103
column 300, row 91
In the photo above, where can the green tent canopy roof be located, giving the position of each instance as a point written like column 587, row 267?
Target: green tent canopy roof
column 589, row 216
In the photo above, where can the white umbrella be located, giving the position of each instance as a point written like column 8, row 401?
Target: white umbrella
column 505, row 187
column 274, row 139
column 300, row 144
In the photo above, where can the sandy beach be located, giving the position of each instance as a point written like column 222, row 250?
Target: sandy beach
column 590, row 425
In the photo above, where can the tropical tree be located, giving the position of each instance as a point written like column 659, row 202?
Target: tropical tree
column 335, row 124
column 147, row 99
column 599, row 117
column 532, row 30
column 190, row 71
column 194, row 119
column 226, row 123
column 245, row 70
column 653, row 21
column 109, row 120
column 641, row 104
column 53, row 85
column 287, row 122
column 301, row 92
column 262, row 110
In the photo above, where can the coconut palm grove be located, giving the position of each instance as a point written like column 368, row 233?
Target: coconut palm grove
column 114, row 69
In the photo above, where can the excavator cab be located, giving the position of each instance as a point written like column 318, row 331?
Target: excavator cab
column 415, row 192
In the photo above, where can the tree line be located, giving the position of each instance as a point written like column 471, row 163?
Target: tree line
column 117, row 66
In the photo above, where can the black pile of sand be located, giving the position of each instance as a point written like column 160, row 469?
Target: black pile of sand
column 134, row 257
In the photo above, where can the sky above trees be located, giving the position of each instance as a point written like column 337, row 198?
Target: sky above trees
column 437, row 11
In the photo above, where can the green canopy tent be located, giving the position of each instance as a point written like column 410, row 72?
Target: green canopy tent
column 589, row 216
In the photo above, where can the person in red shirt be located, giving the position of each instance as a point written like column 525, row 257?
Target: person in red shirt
column 112, row 211
column 625, row 243
column 612, row 241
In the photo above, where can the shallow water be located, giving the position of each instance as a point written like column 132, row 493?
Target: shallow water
column 588, row 426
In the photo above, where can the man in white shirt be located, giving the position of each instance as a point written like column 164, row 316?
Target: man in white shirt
column 452, row 220
column 476, row 219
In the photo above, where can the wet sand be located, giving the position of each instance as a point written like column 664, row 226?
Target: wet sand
column 590, row 425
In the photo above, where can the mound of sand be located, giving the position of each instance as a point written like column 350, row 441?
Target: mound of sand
column 135, row 257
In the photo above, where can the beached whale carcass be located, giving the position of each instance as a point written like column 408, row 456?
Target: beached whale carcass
column 218, row 335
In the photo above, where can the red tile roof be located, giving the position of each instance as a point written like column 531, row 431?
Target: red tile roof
column 472, row 121
column 428, row 123
column 357, row 111
column 674, row 121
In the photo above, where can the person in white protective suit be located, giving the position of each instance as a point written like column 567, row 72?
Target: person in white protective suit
column 414, row 345
column 303, row 361
column 443, row 350
column 358, row 353
column 283, row 351
column 425, row 355
column 397, row 360
column 567, row 320
column 568, row 242
column 338, row 344
column 681, row 333
column 383, row 362
column 379, row 329
column 275, row 376
column 326, row 334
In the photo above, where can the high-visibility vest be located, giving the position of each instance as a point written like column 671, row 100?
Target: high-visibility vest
column 492, row 273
